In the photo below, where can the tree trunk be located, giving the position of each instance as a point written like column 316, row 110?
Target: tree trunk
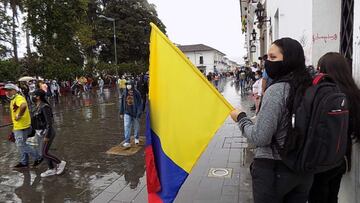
column 27, row 32
column 14, row 38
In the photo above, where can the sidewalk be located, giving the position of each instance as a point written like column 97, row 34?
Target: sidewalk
column 228, row 149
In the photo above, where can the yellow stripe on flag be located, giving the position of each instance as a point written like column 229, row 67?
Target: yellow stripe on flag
column 185, row 108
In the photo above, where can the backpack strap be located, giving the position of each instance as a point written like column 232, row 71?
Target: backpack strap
column 318, row 78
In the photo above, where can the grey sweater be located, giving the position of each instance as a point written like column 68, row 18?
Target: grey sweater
column 271, row 121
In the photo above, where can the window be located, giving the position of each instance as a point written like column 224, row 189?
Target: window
column 201, row 59
column 347, row 24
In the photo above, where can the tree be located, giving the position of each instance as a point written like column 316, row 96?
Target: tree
column 15, row 5
column 59, row 31
column 9, row 70
column 5, row 32
column 133, row 19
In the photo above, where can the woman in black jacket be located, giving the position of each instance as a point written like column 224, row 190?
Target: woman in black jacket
column 42, row 121
column 326, row 185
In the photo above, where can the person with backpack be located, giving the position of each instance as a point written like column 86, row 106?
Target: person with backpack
column 326, row 184
column 273, row 180
column 43, row 124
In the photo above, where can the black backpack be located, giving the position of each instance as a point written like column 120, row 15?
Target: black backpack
column 317, row 138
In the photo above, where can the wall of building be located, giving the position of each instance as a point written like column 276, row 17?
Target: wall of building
column 314, row 23
column 326, row 28
column 350, row 185
column 209, row 57
column 292, row 19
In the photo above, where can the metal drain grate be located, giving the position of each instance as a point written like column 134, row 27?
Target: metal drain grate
column 220, row 172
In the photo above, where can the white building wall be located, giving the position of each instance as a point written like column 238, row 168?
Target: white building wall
column 208, row 59
column 314, row 23
column 291, row 18
column 356, row 41
column 350, row 184
column 326, row 28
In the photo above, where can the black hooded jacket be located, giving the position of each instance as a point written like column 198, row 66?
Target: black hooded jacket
column 42, row 119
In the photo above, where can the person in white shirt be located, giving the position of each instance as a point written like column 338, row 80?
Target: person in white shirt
column 257, row 90
column 101, row 85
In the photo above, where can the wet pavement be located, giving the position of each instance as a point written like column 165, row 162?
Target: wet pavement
column 89, row 125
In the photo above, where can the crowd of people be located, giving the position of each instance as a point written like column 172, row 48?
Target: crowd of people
column 32, row 117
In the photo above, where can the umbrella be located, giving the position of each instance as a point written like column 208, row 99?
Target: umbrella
column 26, row 79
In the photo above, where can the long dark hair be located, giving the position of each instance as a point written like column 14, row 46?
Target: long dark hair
column 337, row 67
column 42, row 95
column 299, row 79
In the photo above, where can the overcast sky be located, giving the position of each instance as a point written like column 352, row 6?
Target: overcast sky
column 216, row 23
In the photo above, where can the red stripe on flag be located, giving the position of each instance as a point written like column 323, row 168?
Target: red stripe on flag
column 152, row 178
column 154, row 198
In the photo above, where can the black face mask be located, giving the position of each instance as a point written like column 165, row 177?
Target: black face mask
column 276, row 69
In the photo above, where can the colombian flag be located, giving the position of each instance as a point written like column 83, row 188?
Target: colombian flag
column 185, row 111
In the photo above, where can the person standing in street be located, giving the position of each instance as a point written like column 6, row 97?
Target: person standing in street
column 131, row 110
column 20, row 116
column 122, row 86
column 326, row 185
column 101, row 85
column 143, row 88
column 257, row 91
column 55, row 90
column 273, row 181
column 43, row 124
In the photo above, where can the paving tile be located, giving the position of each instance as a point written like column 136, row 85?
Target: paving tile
column 230, row 190
column 193, row 180
column 246, row 197
column 234, row 180
column 116, row 186
column 229, row 198
column 103, row 197
column 205, row 201
column 209, row 188
column 142, row 197
column 128, row 194
column 185, row 195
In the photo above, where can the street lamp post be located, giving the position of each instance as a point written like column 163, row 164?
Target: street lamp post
column 112, row 20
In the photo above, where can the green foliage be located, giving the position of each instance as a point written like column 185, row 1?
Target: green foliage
column 5, row 32
column 71, row 38
column 133, row 19
column 9, row 70
column 59, row 33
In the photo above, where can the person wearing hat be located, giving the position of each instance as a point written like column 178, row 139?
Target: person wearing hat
column 43, row 124
column 21, row 126
column 131, row 109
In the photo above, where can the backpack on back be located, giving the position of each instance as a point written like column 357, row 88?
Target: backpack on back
column 317, row 139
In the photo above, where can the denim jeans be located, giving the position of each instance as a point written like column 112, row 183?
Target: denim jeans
column 101, row 89
column 25, row 150
column 128, row 122
column 40, row 140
